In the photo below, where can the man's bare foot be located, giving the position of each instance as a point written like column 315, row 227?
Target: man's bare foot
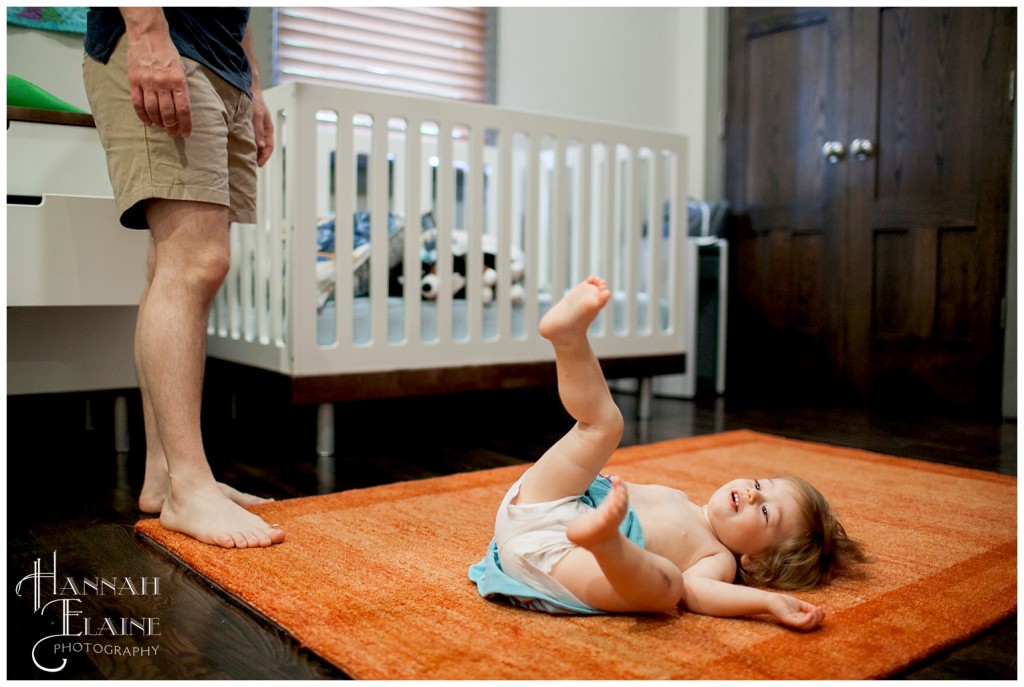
column 156, row 484
column 208, row 515
column 240, row 497
column 570, row 317
column 601, row 524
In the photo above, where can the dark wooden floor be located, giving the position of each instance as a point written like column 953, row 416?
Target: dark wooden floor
column 70, row 493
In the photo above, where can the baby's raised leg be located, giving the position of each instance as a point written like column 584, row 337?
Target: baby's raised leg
column 611, row 573
column 568, row 467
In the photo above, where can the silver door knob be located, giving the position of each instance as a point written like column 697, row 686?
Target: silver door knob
column 833, row 151
column 862, row 148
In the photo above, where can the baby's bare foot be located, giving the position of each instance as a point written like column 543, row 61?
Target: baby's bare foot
column 601, row 524
column 208, row 515
column 569, row 318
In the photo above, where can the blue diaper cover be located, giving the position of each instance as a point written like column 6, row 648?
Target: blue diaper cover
column 493, row 583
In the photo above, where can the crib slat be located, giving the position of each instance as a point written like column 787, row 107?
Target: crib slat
column 653, row 257
column 302, row 218
column 557, row 229
column 503, row 252
column 249, row 278
column 263, row 293
column 585, row 179
column 379, row 220
column 232, row 315
column 607, row 231
column 659, row 257
column 627, row 254
column 344, row 212
column 531, row 202
column 269, row 199
column 473, row 209
column 681, row 279
column 412, row 266
column 276, row 230
column 445, row 222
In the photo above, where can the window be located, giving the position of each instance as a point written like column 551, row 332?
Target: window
column 440, row 51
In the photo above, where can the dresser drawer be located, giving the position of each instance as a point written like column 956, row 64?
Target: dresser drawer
column 71, row 250
column 56, row 159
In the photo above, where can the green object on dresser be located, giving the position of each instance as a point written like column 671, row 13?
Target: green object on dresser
column 22, row 93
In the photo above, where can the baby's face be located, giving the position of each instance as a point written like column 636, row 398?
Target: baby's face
column 751, row 515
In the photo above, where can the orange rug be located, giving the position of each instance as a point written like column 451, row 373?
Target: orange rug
column 374, row 580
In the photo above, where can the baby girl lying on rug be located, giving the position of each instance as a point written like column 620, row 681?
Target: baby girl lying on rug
column 568, row 540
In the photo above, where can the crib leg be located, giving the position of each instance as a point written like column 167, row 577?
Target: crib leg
column 325, row 429
column 325, row 474
column 121, row 442
column 645, row 395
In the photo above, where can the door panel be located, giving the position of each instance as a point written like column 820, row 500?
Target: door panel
column 944, row 134
column 787, row 105
column 884, row 273
column 781, row 85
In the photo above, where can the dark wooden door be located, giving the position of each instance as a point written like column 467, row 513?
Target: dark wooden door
column 880, row 269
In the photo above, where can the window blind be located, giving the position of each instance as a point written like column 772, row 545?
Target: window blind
column 441, row 51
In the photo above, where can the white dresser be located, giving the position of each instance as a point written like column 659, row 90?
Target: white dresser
column 74, row 275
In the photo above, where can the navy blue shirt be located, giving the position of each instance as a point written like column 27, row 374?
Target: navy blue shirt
column 212, row 37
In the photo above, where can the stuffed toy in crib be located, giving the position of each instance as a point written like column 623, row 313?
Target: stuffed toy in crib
column 429, row 280
column 460, row 244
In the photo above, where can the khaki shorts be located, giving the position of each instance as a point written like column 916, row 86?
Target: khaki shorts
column 215, row 164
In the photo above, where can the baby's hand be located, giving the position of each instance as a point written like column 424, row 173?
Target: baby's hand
column 795, row 613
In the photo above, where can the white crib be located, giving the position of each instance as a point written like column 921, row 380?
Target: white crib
column 551, row 199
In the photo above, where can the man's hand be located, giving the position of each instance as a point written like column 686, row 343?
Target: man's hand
column 262, row 122
column 156, row 74
column 262, row 128
column 794, row 613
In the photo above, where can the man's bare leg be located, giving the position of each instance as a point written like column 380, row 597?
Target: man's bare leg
column 155, row 483
column 609, row 571
column 569, row 467
column 191, row 259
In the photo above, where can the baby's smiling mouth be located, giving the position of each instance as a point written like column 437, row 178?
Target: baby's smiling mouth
column 735, row 500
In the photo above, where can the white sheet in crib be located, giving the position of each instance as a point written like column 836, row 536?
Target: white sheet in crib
column 361, row 325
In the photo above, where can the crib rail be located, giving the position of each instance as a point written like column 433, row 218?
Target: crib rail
column 554, row 198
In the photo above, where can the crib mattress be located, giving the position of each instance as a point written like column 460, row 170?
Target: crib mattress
column 361, row 325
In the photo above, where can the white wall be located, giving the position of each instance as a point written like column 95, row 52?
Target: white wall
column 655, row 67
column 51, row 60
column 649, row 67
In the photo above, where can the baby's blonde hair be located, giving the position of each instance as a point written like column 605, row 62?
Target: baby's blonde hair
column 811, row 557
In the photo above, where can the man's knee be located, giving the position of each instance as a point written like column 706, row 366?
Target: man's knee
column 191, row 241
column 215, row 266
column 200, row 269
column 208, row 270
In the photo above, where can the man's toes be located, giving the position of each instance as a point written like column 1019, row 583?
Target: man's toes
column 225, row 540
column 248, row 540
column 259, row 539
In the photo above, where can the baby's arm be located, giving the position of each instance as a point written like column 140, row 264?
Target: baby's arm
column 706, row 593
